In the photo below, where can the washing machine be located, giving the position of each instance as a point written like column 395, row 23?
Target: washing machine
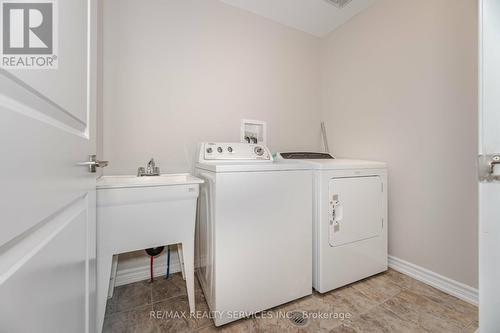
column 254, row 229
column 349, row 218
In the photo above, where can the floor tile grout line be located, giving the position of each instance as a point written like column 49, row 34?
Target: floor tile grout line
column 151, row 302
column 394, row 313
column 203, row 327
column 373, row 307
column 430, row 314
column 146, row 304
column 368, row 296
column 438, row 304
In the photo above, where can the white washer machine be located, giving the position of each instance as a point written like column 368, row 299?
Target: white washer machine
column 350, row 219
column 254, row 230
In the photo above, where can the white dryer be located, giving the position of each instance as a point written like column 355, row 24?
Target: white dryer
column 350, row 218
column 254, row 229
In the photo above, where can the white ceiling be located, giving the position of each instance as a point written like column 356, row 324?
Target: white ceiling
column 317, row 17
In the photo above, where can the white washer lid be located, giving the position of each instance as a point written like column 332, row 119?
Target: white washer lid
column 253, row 166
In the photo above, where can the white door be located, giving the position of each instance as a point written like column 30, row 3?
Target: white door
column 47, row 201
column 356, row 209
column 489, row 190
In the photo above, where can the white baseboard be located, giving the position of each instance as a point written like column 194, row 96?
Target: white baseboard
column 447, row 285
column 131, row 275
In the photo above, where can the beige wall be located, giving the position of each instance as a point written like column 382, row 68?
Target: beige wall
column 399, row 85
column 179, row 72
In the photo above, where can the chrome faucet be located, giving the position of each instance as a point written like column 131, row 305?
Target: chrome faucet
column 150, row 170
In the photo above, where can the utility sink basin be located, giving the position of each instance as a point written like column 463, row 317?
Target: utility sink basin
column 136, row 213
column 145, row 181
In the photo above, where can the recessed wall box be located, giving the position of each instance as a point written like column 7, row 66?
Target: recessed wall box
column 254, row 131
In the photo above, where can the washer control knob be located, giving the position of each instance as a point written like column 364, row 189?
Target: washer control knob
column 219, row 149
column 209, row 150
column 259, row 151
column 230, row 149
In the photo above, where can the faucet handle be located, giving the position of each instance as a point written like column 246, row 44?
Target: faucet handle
column 150, row 170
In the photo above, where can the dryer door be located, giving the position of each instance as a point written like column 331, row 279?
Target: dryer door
column 355, row 209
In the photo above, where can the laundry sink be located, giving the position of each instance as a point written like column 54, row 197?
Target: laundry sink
column 134, row 181
column 135, row 213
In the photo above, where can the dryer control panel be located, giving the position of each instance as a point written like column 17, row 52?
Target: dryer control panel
column 236, row 151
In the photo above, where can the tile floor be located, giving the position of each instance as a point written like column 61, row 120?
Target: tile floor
column 388, row 302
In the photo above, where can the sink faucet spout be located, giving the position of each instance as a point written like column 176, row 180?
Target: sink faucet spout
column 150, row 170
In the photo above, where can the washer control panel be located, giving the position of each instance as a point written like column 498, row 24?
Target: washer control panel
column 236, row 151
